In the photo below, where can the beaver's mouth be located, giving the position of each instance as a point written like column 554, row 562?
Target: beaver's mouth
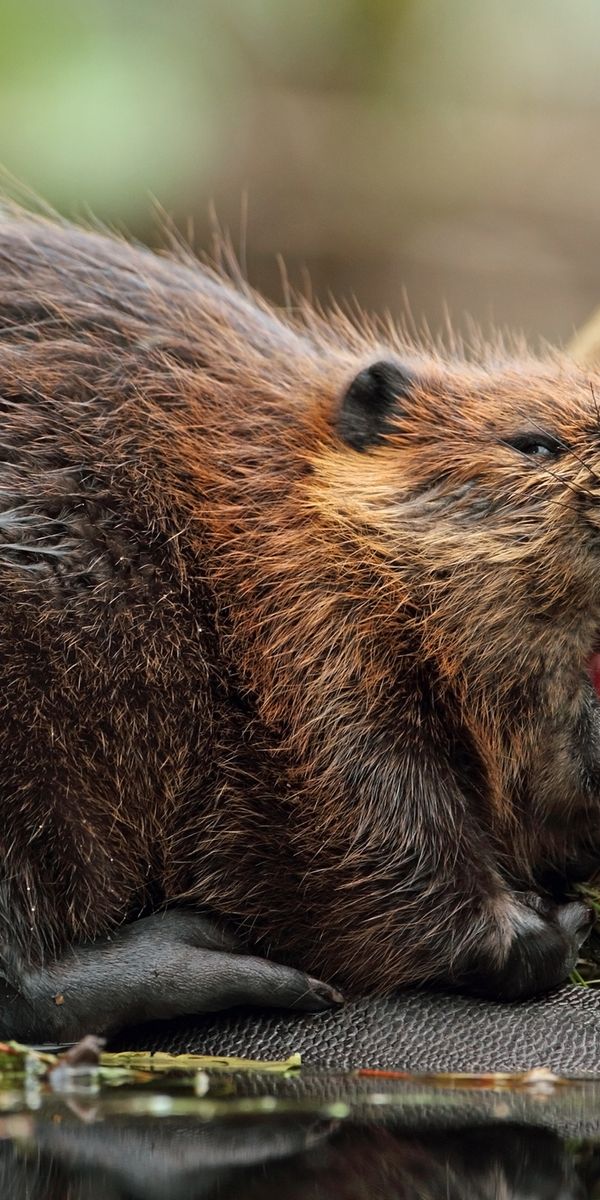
column 593, row 667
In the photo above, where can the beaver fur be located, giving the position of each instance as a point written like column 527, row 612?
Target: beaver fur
column 296, row 625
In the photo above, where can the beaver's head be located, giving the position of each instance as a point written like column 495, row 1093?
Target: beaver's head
column 484, row 488
column 473, row 495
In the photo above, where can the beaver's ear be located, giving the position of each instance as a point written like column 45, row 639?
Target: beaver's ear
column 373, row 397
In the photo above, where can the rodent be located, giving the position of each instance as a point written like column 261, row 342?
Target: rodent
column 298, row 624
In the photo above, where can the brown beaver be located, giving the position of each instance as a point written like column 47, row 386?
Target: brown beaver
column 298, row 627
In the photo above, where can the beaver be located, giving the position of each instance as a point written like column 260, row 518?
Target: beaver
column 299, row 632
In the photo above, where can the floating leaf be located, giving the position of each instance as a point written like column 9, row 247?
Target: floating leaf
column 159, row 1061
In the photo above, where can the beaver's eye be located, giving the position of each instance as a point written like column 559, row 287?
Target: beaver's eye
column 536, row 445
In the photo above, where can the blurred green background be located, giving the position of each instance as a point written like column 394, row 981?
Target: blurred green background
column 448, row 149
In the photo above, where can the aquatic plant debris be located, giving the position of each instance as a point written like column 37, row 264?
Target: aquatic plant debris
column 139, row 1067
column 16, row 1058
column 159, row 1061
column 537, row 1078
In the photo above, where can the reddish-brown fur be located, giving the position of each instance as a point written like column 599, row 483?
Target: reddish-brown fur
column 331, row 696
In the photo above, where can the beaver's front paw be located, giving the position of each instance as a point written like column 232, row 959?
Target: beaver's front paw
column 535, row 949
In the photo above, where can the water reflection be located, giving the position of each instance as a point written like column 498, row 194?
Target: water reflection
column 287, row 1159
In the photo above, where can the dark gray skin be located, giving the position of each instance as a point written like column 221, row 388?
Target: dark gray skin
column 171, row 964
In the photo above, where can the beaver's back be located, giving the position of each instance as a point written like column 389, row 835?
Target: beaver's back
column 133, row 389
column 106, row 640
column 84, row 289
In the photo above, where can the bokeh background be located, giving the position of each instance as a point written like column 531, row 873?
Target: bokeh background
column 446, row 150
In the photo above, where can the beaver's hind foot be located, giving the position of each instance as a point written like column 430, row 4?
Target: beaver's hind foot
column 167, row 965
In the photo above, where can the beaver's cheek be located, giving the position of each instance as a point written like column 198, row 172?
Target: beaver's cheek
column 593, row 667
column 593, row 670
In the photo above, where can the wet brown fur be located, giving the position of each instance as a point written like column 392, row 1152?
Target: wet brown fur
column 328, row 695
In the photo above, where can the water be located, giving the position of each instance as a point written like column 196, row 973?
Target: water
column 312, row 1135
